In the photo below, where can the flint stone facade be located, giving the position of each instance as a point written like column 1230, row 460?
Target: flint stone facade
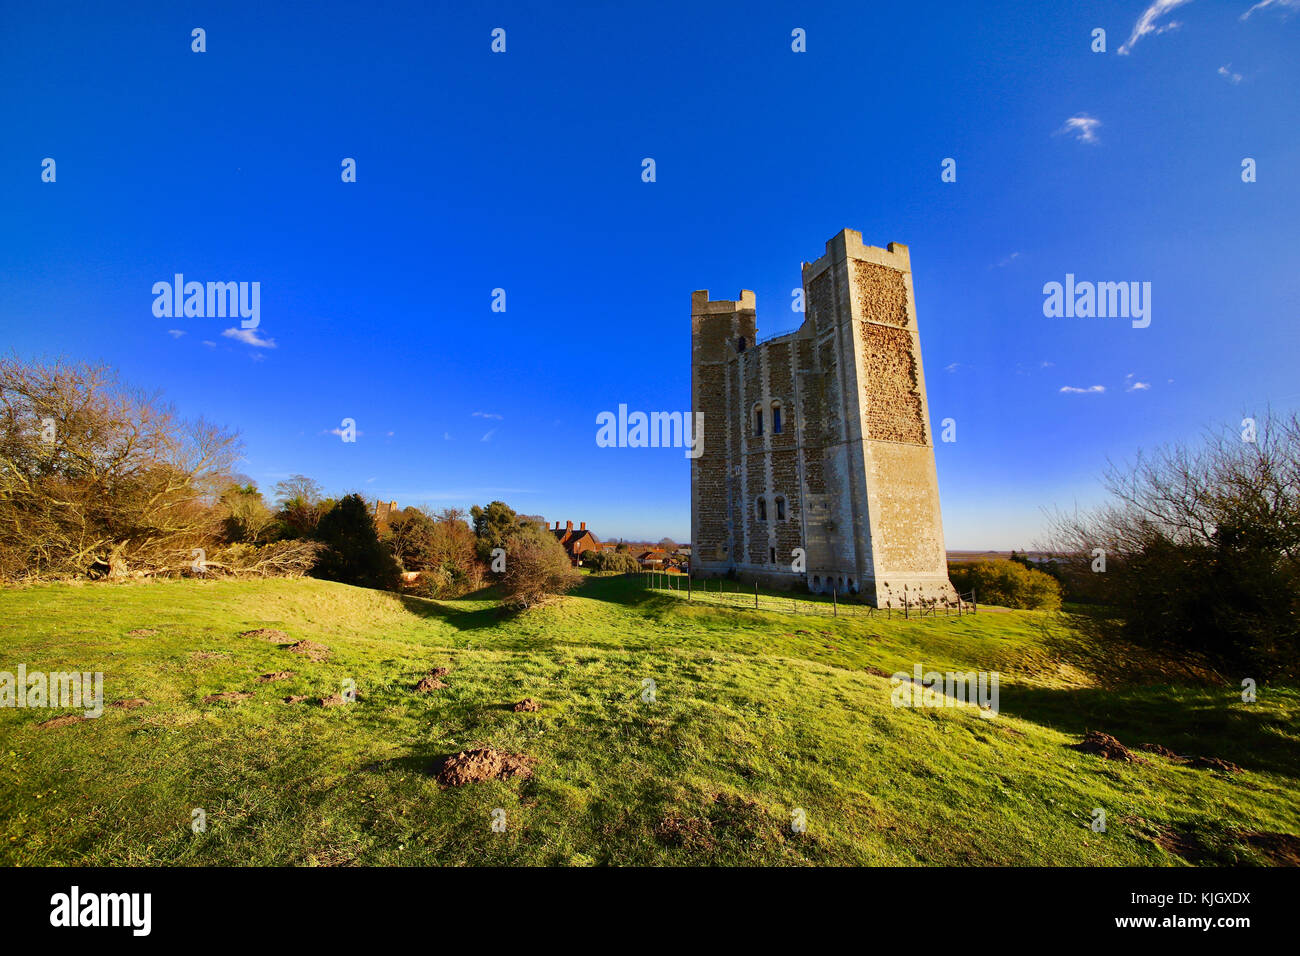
column 848, row 475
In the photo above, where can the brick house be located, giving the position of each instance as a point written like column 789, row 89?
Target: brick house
column 575, row 542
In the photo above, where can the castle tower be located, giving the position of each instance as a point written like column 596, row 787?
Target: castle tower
column 819, row 440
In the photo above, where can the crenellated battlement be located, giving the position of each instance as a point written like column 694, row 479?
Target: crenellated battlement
column 701, row 304
column 848, row 244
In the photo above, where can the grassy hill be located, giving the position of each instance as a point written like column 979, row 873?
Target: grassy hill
column 756, row 714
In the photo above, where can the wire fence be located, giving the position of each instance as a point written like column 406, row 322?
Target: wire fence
column 722, row 592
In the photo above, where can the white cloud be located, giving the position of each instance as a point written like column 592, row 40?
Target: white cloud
column 1227, row 74
column 486, row 415
column 1286, row 6
column 175, row 333
column 1131, row 384
column 1083, row 127
column 953, row 367
column 1148, row 24
column 1008, row 260
column 1090, row 390
column 209, row 344
column 249, row 337
column 487, row 436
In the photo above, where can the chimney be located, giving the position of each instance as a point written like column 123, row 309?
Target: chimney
column 583, row 526
column 568, row 526
column 557, row 525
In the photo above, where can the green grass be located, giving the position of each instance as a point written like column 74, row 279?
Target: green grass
column 757, row 713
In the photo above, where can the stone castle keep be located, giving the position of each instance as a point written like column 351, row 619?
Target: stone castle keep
column 820, row 438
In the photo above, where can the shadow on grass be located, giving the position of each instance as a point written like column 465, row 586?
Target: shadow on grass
column 1191, row 721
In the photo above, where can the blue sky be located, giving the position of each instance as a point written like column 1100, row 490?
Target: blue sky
column 522, row 171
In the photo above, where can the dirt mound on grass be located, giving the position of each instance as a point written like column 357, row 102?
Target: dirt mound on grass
column 295, row 698
column 691, row 833
column 228, row 697
column 527, row 704
column 274, row 676
column 473, row 766
column 267, row 634
column 431, row 682
column 131, row 703
column 63, row 721
column 310, row 650
column 1162, row 751
column 1215, row 763
column 1106, row 747
column 1200, row 763
column 1282, row 849
column 335, row 700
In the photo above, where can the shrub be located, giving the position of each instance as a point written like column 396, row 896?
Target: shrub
column 1202, row 547
column 612, row 562
column 353, row 552
column 536, row 567
column 1007, row 584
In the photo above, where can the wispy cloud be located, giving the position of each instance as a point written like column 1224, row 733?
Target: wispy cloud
column 487, row 436
column 210, row 344
column 175, row 333
column 953, row 367
column 1148, row 24
column 339, row 432
column 1131, row 384
column 1090, row 390
column 1287, row 7
column 1002, row 264
column 486, row 415
column 249, row 337
column 1226, row 72
column 1083, row 127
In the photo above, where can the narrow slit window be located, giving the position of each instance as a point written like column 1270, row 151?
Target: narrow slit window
column 762, row 509
column 758, row 421
column 776, row 418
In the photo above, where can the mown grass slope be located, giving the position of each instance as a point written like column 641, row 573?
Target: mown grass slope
column 756, row 715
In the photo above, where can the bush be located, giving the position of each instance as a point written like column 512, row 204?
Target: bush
column 1202, row 547
column 612, row 562
column 1007, row 584
column 536, row 567
column 353, row 552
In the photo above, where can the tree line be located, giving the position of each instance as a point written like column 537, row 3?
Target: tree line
column 99, row 480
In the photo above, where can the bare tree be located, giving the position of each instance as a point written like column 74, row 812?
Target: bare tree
column 99, row 478
column 1199, row 546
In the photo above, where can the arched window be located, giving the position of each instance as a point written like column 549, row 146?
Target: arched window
column 817, row 582
column 762, row 509
column 758, row 420
column 740, row 344
column 776, row 418
column 780, row 507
